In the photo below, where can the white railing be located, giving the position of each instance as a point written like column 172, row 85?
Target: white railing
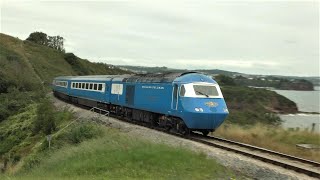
column 102, row 112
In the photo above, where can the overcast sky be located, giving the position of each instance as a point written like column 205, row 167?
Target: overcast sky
column 250, row 36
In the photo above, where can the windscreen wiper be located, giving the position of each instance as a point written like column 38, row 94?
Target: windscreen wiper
column 202, row 93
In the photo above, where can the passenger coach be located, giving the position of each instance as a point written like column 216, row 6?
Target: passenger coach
column 181, row 102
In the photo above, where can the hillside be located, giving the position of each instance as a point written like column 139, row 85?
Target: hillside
column 27, row 65
column 26, row 72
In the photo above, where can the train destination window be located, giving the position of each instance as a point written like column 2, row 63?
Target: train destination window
column 117, row 89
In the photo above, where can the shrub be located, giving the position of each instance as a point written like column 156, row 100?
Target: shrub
column 83, row 132
column 45, row 120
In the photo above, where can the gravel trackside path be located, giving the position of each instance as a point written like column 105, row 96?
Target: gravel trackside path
column 252, row 168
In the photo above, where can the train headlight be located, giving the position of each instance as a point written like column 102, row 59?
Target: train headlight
column 198, row 109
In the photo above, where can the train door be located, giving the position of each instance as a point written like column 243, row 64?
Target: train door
column 174, row 102
column 130, row 94
column 107, row 91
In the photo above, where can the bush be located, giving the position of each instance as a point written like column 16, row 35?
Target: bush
column 82, row 132
column 45, row 120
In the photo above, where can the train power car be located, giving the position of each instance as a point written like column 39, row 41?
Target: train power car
column 181, row 102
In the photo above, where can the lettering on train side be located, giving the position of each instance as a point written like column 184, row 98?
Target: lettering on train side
column 152, row 87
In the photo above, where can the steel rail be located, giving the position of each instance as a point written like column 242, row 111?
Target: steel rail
column 270, row 160
column 256, row 148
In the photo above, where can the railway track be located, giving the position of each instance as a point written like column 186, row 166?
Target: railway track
column 300, row 165
column 304, row 166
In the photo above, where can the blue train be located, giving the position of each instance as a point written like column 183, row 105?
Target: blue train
column 181, row 102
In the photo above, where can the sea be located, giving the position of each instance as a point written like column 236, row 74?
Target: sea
column 307, row 101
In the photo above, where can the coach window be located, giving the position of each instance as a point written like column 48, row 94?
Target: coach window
column 182, row 91
column 87, row 85
column 100, row 87
column 82, row 85
column 95, row 87
column 91, row 86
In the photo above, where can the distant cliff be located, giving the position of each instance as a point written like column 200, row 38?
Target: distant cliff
column 301, row 85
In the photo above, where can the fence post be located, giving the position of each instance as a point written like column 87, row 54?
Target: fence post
column 49, row 140
column 313, row 127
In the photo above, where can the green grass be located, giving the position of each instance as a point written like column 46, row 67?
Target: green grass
column 274, row 138
column 119, row 156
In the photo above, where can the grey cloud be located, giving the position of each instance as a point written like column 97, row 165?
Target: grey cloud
column 251, row 37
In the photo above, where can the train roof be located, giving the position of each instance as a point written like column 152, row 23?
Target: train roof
column 154, row 77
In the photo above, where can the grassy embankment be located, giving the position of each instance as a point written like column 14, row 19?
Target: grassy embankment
column 86, row 150
column 274, row 138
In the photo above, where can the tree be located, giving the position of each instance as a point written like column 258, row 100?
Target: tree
column 45, row 120
column 39, row 38
column 55, row 42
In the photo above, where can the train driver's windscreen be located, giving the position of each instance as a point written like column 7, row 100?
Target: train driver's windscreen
column 200, row 90
column 205, row 90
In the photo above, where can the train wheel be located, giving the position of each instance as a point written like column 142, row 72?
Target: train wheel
column 205, row 132
column 183, row 129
